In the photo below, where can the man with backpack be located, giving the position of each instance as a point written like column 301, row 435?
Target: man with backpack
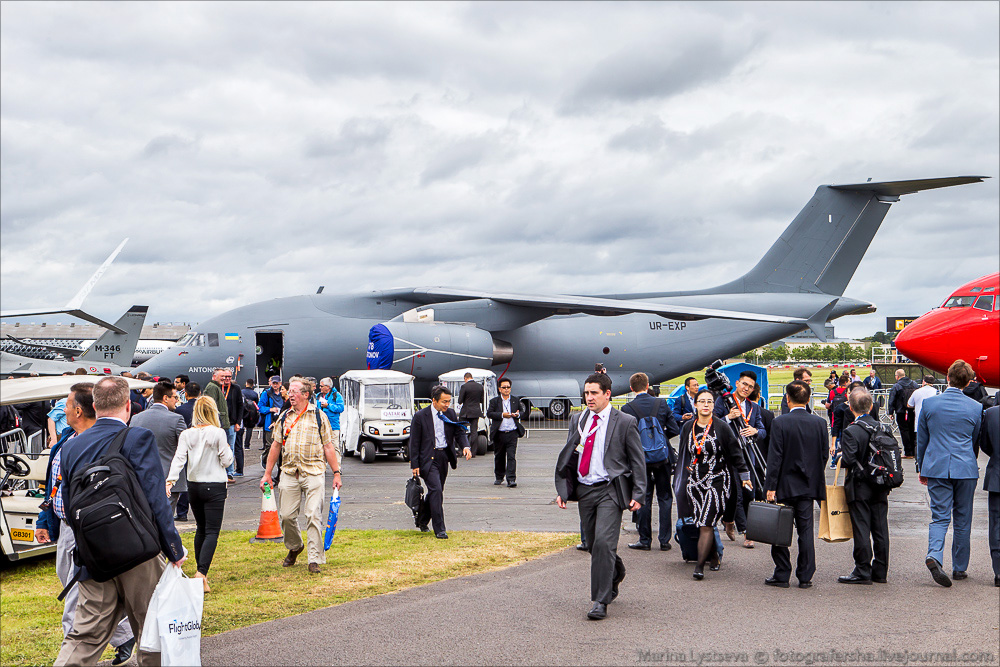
column 905, row 418
column 867, row 494
column 128, row 475
column 656, row 426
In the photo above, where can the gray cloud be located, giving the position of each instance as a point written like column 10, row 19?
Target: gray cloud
column 253, row 151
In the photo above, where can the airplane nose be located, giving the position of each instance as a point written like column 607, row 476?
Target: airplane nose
column 929, row 340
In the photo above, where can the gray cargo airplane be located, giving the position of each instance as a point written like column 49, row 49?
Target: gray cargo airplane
column 547, row 344
column 109, row 355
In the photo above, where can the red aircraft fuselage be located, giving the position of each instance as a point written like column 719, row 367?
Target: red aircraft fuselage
column 966, row 326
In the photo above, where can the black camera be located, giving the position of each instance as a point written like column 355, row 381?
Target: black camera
column 717, row 383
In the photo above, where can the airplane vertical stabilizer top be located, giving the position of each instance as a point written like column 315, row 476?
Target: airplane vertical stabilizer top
column 548, row 343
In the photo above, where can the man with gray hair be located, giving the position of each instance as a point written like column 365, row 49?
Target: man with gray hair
column 101, row 604
column 331, row 402
column 868, row 505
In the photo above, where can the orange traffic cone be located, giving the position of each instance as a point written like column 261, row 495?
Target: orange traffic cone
column 269, row 529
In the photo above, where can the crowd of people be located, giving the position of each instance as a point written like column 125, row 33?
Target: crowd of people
column 186, row 445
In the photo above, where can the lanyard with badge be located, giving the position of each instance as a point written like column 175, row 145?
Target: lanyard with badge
column 289, row 429
column 593, row 429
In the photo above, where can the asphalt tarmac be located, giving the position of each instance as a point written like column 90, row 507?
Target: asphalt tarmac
column 536, row 613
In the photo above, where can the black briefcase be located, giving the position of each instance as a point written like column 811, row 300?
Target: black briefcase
column 770, row 523
column 414, row 496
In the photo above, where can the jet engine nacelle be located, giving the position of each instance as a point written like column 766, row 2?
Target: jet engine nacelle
column 428, row 349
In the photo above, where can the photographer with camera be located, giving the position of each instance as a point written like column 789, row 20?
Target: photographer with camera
column 743, row 416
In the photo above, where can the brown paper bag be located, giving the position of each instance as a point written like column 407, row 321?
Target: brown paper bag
column 834, row 518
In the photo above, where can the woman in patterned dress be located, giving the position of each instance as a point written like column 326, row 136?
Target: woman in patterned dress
column 708, row 449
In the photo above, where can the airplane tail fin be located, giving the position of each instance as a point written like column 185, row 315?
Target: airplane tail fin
column 822, row 247
column 116, row 348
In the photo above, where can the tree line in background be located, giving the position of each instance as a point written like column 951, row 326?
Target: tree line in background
column 840, row 353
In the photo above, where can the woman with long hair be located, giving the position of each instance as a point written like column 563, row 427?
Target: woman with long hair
column 205, row 450
column 702, row 481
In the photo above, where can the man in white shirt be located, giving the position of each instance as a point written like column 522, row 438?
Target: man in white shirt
column 926, row 390
column 607, row 447
column 505, row 415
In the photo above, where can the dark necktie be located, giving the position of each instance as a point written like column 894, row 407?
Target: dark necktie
column 588, row 448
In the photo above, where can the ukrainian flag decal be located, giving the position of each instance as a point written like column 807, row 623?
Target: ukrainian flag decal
column 232, row 336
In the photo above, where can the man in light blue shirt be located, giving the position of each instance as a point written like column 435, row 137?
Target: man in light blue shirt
column 946, row 462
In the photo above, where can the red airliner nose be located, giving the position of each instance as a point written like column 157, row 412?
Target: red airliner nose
column 927, row 339
column 943, row 335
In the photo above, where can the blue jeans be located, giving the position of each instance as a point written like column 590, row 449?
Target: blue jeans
column 658, row 477
column 950, row 498
column 231, row 438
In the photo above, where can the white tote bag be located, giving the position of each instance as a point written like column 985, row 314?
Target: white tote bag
column 173, row 619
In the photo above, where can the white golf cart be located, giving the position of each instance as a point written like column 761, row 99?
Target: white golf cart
column 23, row 464
column 479, row 434
column 378, row 407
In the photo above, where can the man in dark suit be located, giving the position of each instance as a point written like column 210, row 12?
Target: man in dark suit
column 658, row 473
column 868, row 505
column 989, row 442
column 470, row 397
column 603, row 468
column 435, row 436
column 101, row 604
column 795, row 460
column 505, row 415
column 800, row 373
column 684, row 404
column 167, row 427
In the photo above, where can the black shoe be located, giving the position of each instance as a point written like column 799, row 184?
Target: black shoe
column 805, row 584
column 441, row 536
column 181, row 518
column 582, row 547
column 666, row 547
column 511, row 485
column 939, row 576
column 699, row 572
column 771, row 581
column 640, row 546
column 715, row 564
column 959, row 574
column 879, row 581
column 615, row 583
column 599, row 612
column 996, row 582
column 124, row 652
column 497, row 482
column 424, row 528
column 854, row 579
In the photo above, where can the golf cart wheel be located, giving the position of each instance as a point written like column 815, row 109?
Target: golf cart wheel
column 558, row 409
column 480, row 444
column 367, row 451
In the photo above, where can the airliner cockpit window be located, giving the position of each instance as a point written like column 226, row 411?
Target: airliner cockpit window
column 198, row 340
column 985, row 302
column 213, row 340
column 959, row 302
column 185, row 339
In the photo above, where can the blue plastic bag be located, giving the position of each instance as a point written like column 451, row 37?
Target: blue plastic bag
column 331, row 519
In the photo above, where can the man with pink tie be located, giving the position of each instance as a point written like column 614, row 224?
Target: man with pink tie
column 603, row 468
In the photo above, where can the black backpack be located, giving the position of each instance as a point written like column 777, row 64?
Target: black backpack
column 110, row 516
column 251, row 413
column 884, row 466
column 838, row 396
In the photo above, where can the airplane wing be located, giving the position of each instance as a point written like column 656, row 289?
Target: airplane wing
column 568, row 304
column 73, row 307
column 66, row 351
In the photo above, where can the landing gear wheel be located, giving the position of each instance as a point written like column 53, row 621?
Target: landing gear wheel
column 367, row 451
column 558, row 409
column 526, row 407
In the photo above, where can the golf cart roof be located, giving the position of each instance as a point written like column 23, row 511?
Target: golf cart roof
column 26, row 390
column 478, row 374
column 377, row 377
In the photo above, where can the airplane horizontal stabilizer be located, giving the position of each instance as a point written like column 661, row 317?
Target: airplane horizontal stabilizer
column 817, row 323
column 898, row 188
column 67, row 351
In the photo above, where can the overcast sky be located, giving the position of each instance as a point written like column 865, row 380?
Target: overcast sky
column 260, row 150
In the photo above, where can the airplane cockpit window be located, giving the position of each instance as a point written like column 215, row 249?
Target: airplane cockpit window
column 988, row 289
column 213, row 340
column 198, row 341
column 976, row 289
column 985, row 302
column 185, row 339
column 959, row 302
